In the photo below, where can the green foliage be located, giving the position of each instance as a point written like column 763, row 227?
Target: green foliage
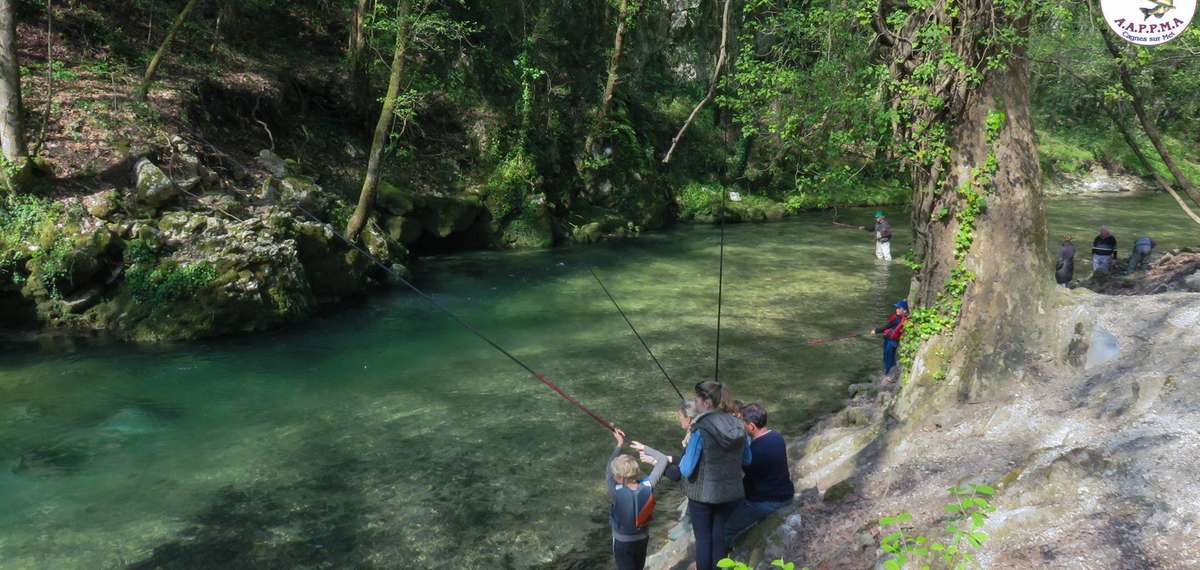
column 735, row 565
column 968, row 510
column 506, row 189
column 167, row 281
column 698, row 199
column 31, row 236
column 154, row 281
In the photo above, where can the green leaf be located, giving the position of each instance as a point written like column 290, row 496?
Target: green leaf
column 904, row 517
column 891, row 564
column 726, row 563
column 937, row 547
column 979, row 536
column 953, row 508
column 885, row 521
column 976, row 520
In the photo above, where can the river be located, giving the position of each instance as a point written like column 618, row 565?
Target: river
column 384, row 436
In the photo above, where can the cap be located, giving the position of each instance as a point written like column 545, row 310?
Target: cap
column 879, row 214
column 901, row 304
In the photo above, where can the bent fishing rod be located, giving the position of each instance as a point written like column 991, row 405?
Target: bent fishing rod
column 639, row 336
column 466, row 325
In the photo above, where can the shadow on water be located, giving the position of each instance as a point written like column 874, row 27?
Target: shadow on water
column 316, row 523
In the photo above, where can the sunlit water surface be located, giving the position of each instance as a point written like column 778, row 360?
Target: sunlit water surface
column 384, row 436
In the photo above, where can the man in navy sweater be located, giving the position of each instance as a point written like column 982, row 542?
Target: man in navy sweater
column 767, row 478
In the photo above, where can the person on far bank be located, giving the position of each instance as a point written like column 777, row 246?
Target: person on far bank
column 1104, row 251
column 883, row 237
column 892, row 332
column 632, row 504
column 1141, row 253
column 768, row 478
column 715, row 449
column 1064, row 270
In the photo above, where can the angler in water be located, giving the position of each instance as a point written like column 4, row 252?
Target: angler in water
column 883, row 237
column 1064, row 270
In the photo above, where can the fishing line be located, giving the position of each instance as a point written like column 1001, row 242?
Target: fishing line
column 639, row 336
column 541, row 378
column 720, row 284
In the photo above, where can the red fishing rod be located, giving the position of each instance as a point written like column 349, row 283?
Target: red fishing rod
column 466, row 325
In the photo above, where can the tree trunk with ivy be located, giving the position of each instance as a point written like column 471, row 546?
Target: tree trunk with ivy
column 963, row 121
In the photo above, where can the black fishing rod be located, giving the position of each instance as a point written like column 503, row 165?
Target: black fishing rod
column 720, row 284
column 639, row 336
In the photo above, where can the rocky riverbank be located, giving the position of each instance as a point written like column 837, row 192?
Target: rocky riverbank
column 1091, row 448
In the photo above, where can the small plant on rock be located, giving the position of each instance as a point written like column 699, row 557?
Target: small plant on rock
column 735, row 565
column 969, row 510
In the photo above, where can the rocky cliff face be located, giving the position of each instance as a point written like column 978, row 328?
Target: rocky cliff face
column 1092, row 450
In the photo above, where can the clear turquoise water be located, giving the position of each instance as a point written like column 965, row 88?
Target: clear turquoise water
column 384, row 436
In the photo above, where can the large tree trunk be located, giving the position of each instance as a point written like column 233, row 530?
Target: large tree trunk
column 12, row 130
column 366, row 197
column 162, row 49
column 1139, row 109
column 1141, row 156
column 360, row 84
column 610, row 85
column 979, row 224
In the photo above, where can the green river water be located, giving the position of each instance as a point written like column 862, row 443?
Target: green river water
column 384, row 436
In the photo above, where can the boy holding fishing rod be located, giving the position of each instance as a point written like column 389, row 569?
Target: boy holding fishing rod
column 632, row 503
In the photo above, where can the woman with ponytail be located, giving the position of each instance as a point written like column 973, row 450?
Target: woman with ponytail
column 711, row 467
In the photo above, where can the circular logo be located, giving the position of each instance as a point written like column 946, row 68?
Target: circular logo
column 1148, row 22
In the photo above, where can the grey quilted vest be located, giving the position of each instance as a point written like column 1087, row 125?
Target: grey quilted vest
column 718, row 476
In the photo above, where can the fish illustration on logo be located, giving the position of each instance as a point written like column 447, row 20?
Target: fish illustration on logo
column 1161, row 7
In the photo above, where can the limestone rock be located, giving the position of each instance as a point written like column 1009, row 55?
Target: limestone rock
column 1192, row 282
column 272, row 163
column 154, row 188
column 103, row 205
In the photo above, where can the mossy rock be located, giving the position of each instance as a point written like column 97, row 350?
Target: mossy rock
column 444, row 216
column 333, row 271
column 393, row 200
column 534, row 228
column 403, row 230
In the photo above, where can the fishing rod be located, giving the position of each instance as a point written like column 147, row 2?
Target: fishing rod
column 639, row 336
column 539, row 376
column 720, row 284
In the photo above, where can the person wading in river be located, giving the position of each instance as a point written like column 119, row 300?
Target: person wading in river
column 1104, row 251
column 1064, row 270
column 632, row 504
column 715, row 449
column 883, row 237
column 892, row 332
